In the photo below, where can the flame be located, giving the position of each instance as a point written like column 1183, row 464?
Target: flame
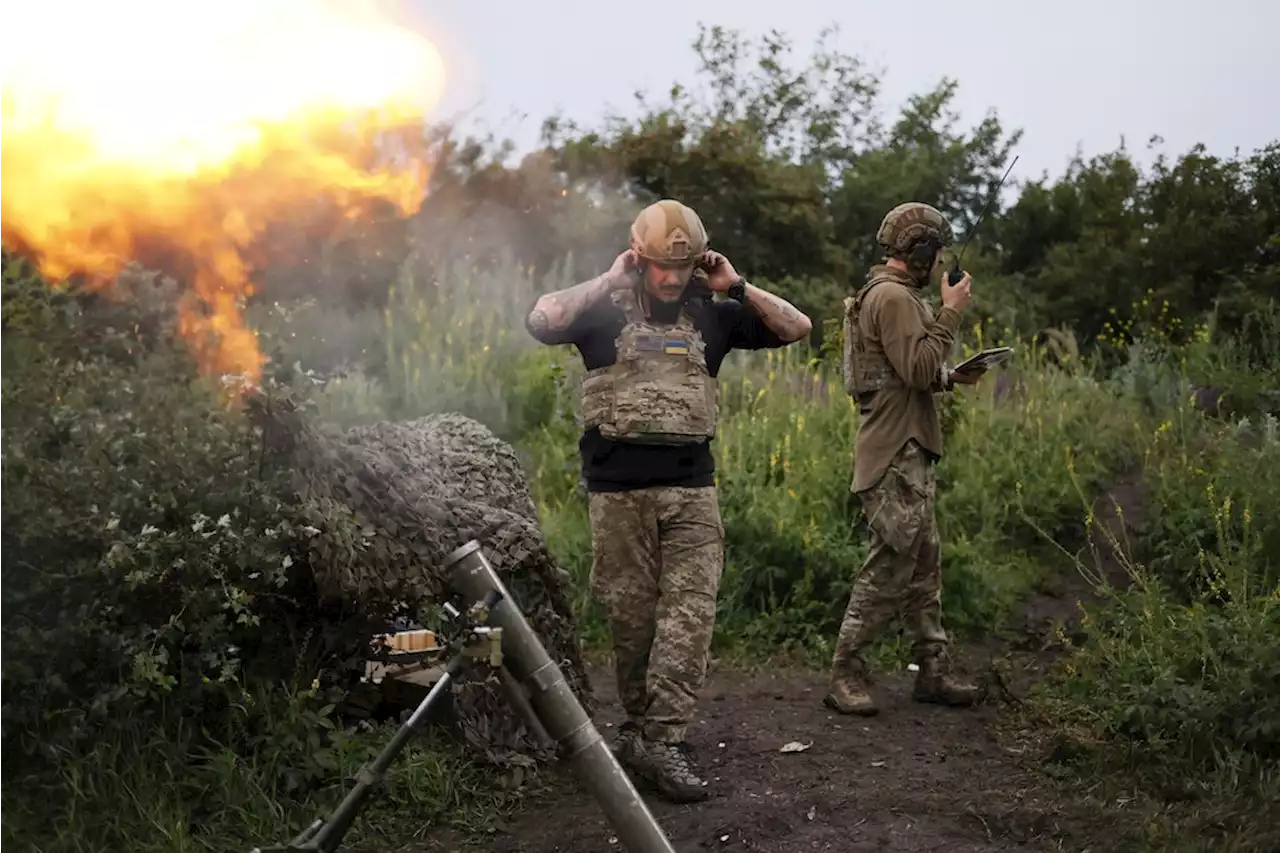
column 190, row 126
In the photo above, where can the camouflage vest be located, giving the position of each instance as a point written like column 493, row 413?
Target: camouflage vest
column 864, row 371
column 659, row 390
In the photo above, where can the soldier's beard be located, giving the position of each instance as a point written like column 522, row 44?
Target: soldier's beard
column 668, row 292
column 665, row 301
column 664, row 311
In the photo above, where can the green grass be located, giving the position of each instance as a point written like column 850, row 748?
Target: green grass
column 143, row 792
column 1018, row 489
column 1176, row 688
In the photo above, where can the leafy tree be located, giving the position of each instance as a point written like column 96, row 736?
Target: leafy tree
column 791, row 167
column 791, row 164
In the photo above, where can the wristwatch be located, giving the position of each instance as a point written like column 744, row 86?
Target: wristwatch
column 738, row 291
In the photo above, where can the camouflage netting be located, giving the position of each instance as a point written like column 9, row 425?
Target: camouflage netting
column 417, row 490
column 432, row 485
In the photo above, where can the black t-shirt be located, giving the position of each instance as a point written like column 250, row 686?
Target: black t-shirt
column 613, row 466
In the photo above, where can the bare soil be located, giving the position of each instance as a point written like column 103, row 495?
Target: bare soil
column 914, row 778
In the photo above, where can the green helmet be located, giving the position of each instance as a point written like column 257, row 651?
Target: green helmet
column 911, row 223
column 668, row 232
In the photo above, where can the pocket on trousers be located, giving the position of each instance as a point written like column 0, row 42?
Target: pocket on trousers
column 896, row 511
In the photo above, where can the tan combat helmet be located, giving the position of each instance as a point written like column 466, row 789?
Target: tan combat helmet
column 911, row 222
column 911, row 225
column 668, row 232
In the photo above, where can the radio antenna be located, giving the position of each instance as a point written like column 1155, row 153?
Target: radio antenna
column 955, row 274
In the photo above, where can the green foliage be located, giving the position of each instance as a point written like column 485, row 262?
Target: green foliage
column 1027, row 454
column 163, row 634
column 152, row 791
column 159, row 591
column 1176, row 692
column 128, row 501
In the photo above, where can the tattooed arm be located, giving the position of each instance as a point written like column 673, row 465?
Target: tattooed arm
column 553, row 313
column 784, row 319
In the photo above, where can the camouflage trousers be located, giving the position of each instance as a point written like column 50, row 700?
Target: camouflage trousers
column 658, row 555
column 902, row 575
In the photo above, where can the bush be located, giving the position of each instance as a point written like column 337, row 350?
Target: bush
column 163, row 637
column 1174, row 690
column 164, row 608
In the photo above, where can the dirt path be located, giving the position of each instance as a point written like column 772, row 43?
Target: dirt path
column 914, row 778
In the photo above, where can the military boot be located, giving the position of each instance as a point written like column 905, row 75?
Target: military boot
column 623, row 744
column 934, row 684
column 849, row 690
column 669, row 767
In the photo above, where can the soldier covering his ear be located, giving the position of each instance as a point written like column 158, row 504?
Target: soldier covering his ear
column 653, row 339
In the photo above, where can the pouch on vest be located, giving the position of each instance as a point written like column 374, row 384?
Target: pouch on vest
column 864, row 372
column 659, row 391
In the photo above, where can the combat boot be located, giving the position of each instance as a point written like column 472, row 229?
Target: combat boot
column 849, row 690
column 669, row 768
column 623, row 744
column 934, row 684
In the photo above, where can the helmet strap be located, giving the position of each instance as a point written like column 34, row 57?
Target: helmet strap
column 921, row 257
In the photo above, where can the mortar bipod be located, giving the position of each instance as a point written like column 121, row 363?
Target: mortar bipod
column 482, row 643
column 536, row 686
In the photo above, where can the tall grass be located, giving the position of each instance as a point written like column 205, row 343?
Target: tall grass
column 1179, row 676
column 1177, row 687
column 784, row 459
column 151, row 791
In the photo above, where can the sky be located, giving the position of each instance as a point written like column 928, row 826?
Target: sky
column 1084, row 75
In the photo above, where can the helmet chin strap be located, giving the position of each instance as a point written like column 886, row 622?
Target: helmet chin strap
column 921, row 273
column 921, row 258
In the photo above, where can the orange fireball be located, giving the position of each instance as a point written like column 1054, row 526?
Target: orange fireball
column 143, row 123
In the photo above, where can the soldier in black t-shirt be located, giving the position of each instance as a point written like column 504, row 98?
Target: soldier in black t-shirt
column 653, row 338
column 617, row 466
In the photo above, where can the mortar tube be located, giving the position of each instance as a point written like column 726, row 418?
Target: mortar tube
column 558, row 708
column 517, row 696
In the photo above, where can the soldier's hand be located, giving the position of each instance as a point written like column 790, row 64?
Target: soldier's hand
column 625, row 269
column 956, row 296
column 720, row 272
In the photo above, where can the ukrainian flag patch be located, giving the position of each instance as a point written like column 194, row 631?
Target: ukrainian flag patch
column 675, row 346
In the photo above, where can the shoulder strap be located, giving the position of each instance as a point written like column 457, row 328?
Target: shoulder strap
column 861, row 295
column 626, row 300
column 630, row 305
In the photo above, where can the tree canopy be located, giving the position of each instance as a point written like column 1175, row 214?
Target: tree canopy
column 792, row 165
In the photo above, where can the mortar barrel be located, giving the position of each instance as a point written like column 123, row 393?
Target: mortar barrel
column 558, row 708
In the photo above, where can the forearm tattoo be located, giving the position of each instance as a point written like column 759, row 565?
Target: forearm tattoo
column 787, row 321
column 538, row 321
